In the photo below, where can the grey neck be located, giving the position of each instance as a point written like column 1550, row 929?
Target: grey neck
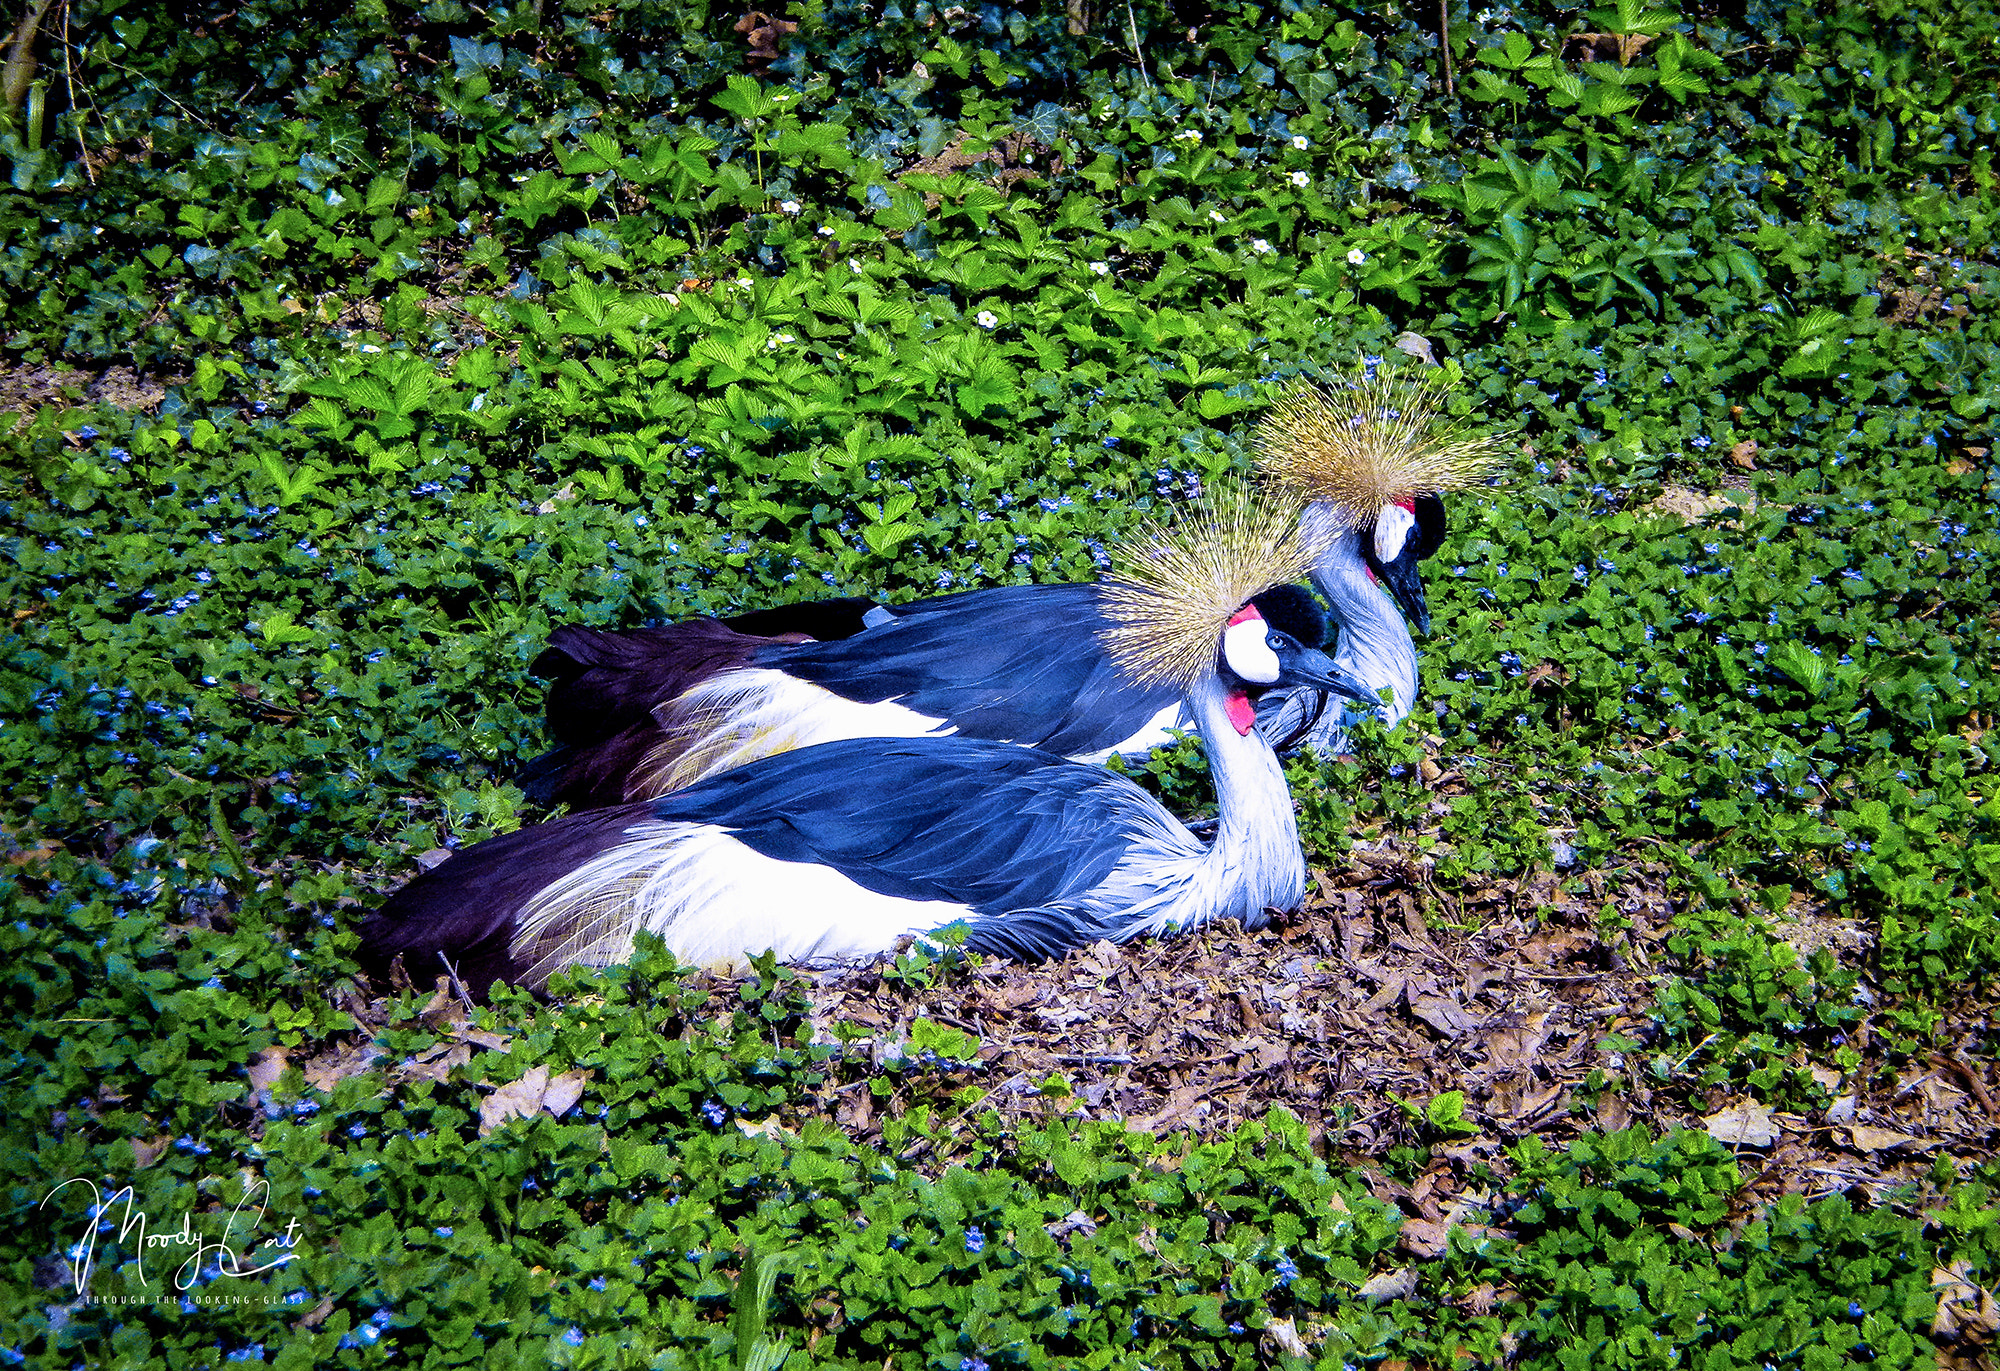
column 1255, row 860
column 1375, row 643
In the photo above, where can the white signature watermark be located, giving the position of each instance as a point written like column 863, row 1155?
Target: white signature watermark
column 227, row 1253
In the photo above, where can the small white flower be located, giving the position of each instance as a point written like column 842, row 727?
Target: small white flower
column 986, row 318
column 1216, row 216
column 824, row 230
column 1301, row 180
column 1301, row 142
column 1355, row 256
column 1187, row 136
column 1100, row 268
column 789, row 206
column 1259, row 246
column 744, row 281
column 854, row 263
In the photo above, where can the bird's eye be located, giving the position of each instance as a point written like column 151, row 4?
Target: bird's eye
column 1276, row 642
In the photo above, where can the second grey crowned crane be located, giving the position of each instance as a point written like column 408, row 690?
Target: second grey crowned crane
column 1370, row 454
column 838, row 850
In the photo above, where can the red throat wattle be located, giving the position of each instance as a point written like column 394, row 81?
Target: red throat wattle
column 1242, row 713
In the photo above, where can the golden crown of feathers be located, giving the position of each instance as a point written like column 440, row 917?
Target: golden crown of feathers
column 1374, row 436
column 1176, row 585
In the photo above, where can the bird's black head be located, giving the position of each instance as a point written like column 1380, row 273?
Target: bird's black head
column 1297, row 611
column 1405, row 534
column 1256, row 655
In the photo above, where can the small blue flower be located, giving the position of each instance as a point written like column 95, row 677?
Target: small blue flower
column 716, row 1114
column 87, row 433
column 975, row 1241
column 1287, row 1269
column 442, row 1230
column 574, row 1337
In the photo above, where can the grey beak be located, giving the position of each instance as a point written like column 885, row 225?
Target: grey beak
column 1404, row 582
column 1313, row 669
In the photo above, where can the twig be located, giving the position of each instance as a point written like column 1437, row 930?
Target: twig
column 1444, row 42
column 1965, row 1073
column 456, row 983
column 1132, row 33
column 69, row 79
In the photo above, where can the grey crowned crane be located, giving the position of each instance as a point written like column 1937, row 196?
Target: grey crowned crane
column 1370, row 456
column 646, row 711
column 642, row 712
column 838, row 850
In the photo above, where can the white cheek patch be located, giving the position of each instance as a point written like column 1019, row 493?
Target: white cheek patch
column 1248, row 654
column 1392, row 530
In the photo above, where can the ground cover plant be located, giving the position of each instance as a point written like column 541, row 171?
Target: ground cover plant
column 346, row 354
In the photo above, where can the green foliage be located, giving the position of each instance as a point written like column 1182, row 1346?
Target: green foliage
column 478, row 320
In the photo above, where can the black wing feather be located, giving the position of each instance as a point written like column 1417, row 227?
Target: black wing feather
column 1014, row 833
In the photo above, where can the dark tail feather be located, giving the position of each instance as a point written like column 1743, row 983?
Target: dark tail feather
column 465, row 909
column 602, row 682
column 820, row 620
column 590, row 775
column 541, row 779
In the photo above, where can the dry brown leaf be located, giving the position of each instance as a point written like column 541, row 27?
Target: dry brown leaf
column 1484, row 1298
column 1422, row 1238
column 332, row 1069
column 1418, row 347
column 1965, row 1308
column 146, row 1151
column 266, row 1069
column 1076, row 1221
column 1612, row 1114
column 768, row 1127
column 1389, row 1285
column 1450, row 1019
column 1744, row 455
column 1745, row 1124
column 1871, row 1139
column 564, row 1091
column 514, row 1100
column 1284, row 1336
